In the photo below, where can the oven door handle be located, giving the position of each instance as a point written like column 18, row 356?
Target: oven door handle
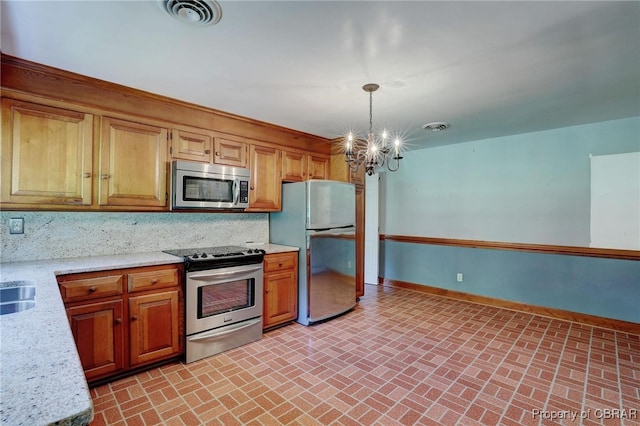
column 215, row 334
column 209, row 274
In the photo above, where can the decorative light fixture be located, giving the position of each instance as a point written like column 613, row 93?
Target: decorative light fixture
column 374, row 152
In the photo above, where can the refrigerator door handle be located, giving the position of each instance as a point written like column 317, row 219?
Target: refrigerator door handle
column 348, row 230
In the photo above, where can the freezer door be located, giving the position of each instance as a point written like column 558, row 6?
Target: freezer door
column 331, row 274
column 330, row 204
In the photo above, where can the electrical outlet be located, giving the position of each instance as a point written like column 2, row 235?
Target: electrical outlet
column 348, row 264
column 459, row 277
column 16, row 225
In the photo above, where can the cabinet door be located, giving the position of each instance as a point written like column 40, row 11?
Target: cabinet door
column 133, row 164
column 231, row 153
column 154, row 327
column 265, row 191
column 294, row 166
column 46, row 154
column 281, row 295
column 98, row 331
column 318, row 166
column 190, row 146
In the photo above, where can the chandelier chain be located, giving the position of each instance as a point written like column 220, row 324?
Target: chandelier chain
column 370, row 112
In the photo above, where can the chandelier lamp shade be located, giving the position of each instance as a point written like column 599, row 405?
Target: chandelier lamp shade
column 375, row 152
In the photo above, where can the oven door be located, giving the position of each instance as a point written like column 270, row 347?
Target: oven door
column 224, row 296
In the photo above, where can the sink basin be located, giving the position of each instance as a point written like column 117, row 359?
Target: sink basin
column 16, row 296
column 13, row 307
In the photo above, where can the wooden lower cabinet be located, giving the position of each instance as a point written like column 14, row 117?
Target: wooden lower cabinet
column 124, row 319
column 154, row 327
column 98, row 332
column 280, row 289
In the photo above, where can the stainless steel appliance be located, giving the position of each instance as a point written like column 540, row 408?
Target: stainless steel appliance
column 208, row 186
column 318, row 216
column 223, row 298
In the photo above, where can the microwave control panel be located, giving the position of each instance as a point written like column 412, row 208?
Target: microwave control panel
column 244, row 191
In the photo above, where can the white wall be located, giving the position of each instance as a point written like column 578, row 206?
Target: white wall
column 615, row 201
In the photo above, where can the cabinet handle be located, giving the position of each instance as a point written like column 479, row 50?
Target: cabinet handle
column 87, row 175
column 134, row 318
column 207, row 151
column 118, row 320
column 104, row 176
column 92, row 289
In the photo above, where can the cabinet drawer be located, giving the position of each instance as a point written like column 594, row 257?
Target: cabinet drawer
column 148, row 280
column 91, row 288
column 275, row 262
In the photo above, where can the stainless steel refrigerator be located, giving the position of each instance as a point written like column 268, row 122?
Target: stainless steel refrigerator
column 318, row 217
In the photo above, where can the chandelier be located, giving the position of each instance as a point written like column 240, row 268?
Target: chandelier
column 375, row 151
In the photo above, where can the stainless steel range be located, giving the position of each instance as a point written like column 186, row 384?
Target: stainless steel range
column 223, row 292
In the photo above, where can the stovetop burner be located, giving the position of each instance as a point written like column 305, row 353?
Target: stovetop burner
column 218, row 257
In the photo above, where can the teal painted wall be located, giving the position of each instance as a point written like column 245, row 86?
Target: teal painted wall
column 608, row 288
column 530, row 188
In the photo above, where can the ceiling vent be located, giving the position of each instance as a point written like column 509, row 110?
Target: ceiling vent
column 436, row 126
column 193, row 12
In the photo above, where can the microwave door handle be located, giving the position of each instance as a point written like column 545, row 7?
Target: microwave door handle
column 236, row 192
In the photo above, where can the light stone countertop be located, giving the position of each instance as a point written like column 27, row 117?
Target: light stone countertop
column 275, row 248
column 41, row 378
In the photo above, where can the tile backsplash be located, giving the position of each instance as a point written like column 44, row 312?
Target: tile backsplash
column 52, row 235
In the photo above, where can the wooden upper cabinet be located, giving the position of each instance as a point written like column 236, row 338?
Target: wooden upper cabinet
column 265, row 192
column 318, row 166
column 340, row 170
column 231, row 153
column 133, row 164
column 294, row 166
column 299, row 166
column 46, row 154
column 191, row 146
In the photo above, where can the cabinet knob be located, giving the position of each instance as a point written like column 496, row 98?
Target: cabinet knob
column 280, row 265
column 87, row 175
column 104, row 176
column 117, row 320
column 251, row 187
column 217, row 154
column 207, row 151
column 134, row 318
column 92, row 289
column 154, row 281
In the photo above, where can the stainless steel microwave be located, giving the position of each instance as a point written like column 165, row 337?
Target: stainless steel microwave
column 208, row 186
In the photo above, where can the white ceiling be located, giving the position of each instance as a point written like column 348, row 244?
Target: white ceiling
column 488, row 68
